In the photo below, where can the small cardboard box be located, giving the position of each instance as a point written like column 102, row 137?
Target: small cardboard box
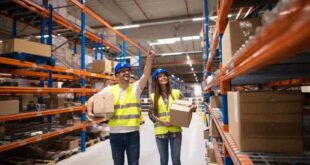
column 213, row 130
column 216, row 102
column 206, row 134
column 211, row 153
column 103, row 105
column 180, row 114
column 23, row 46
column 9, row 107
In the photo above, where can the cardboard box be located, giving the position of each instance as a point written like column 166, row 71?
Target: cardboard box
column 55, row 101
column 214, row 133
column 211, row 153
column 236, row 33
column 216, row 102
column 266, row 121
column 23, row 46
column 206, row 134
column 102, row 66
column 180, row 114
column 67, row 143
column 103, row 105
column 9, row 107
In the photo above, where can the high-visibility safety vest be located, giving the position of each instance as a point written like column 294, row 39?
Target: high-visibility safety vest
column 164, row 113
column 127, row 112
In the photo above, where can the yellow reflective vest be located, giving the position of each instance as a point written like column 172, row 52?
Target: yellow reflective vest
column 164, row 113
column 127, row 112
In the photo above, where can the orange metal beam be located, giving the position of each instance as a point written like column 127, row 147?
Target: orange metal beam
column 42, row 113
column 20, row 143
column 41, row 75
column 105, row 23
column 7, row 90
column 27, row 64
column 222, row 13
column 218, row 156
column 292, row 82
column 294, row 40
column 267, row 35
column 32, row 6
column 230, row 144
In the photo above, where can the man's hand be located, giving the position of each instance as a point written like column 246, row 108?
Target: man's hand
column 165, row 123
column 193, row 108
column 151, row 53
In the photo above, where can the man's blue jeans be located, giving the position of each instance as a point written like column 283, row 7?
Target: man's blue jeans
column 175, row 147
column 129, row 142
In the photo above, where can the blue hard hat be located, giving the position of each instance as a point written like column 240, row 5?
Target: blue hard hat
column 120, row 66
column 158, row 71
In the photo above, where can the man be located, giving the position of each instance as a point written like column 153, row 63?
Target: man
column 125, row 123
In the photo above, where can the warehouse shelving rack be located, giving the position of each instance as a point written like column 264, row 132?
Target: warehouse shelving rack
column 285, row 37
column 50, row 72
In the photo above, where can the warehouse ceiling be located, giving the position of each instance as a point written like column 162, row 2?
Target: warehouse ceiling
column 156, row 21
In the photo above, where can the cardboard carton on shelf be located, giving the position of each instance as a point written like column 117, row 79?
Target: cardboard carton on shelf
column 9, row 107
column 24, row 46
column 266, row 121
column 180, row 114
column 236, row 33
column 206, row 134
column 214, row 133
column 100, row 66
column 216, row 102
column 103, row 105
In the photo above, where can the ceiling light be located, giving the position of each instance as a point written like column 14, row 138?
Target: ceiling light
column 192, row 68
column 178, row 78
column 189, row 62
column 187, row 38
column 126, row 27
column 1, row 41
column 45, row 36
column 198, row 19
column 169, row 40
column 121, row 58
column 58, row 34
column 187, row 57
column 172, row 75
column 215, row 17
column 169, row 54
column 99, row 48
column 191, row 65
column 182, row 81
column 161, row 43
column 195, row 74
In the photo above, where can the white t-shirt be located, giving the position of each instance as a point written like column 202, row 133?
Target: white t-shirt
column 137, row 92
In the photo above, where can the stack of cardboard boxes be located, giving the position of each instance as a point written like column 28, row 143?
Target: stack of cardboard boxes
column 101, row 66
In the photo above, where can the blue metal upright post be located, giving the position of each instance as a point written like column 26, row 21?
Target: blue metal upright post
column 227, row 159
column 206, row 28
column 140, row 62
column 14, row 30
column 101, row 47
column 124, row 48
column 83, row 81
column 43, row 22
column 96, row 51
column 50, row 42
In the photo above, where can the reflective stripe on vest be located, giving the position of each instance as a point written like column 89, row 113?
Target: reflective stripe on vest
column 127, row 112
column 164, row 114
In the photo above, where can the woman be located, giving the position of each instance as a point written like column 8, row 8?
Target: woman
column 166, row 133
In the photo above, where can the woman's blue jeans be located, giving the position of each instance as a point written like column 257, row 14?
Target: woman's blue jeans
column 175, row 147
column 129, row 142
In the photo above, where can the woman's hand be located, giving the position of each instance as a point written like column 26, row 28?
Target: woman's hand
column 193, row 108
column 165, row 123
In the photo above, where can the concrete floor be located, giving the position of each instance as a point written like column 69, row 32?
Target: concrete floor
column 192, row 152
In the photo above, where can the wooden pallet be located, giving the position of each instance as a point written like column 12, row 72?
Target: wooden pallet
column 26, row 161
column 92, row 142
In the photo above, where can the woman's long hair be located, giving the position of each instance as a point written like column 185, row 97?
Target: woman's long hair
column 157, row 93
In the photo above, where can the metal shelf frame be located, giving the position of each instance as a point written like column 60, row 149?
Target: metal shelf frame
column 273, row 44
column 41, row 113
column 34, row 139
